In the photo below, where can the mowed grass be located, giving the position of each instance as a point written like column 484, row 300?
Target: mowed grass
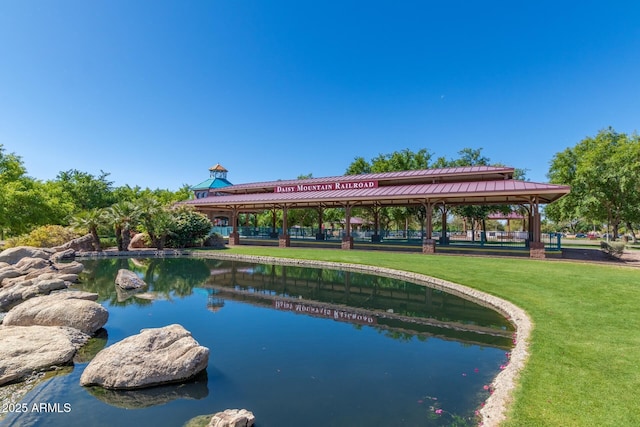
column 584, row 364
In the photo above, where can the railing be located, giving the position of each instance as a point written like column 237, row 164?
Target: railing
column 490, row 239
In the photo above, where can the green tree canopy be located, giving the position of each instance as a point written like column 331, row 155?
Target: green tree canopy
column 604, row 175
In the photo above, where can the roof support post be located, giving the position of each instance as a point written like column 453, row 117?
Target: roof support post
column 234, row 236
column 284, row 240
column 320, row 233
column 536, row 246
column 274, row 232
column 444, row 240
column 376, row 224
column 428, row 244
column 347, row 239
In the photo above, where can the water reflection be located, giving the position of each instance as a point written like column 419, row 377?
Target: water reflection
column 144, row 398
column 399, row 309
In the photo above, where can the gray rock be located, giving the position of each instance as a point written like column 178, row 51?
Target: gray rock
column 73, row 309
column 73, row 267
column 138, row 241
column 25, row 289
column 233, row 418
column 64, row 255
column 127, row 280
column 153, row 357
column 9, row 273
column 84, row 243
column 13, row 255
column 32, row 348
column 28, row 264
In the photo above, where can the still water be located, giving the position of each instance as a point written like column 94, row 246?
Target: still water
column 296, row 346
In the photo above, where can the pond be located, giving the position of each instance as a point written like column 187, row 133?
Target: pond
column 296, row 346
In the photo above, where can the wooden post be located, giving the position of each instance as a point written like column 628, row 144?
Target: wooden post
column 347, row 240
column 284, row 239
column 428, row 244
column 234, row 236
column 536, row 246
column 320, row 233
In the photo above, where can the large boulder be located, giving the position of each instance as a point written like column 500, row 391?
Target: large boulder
column 13, row 255
column 128, row 280
column 154, row 356
column 73, row 309
column 26, row 349
column 81, row 244
column 233, row 418
column 138, row 241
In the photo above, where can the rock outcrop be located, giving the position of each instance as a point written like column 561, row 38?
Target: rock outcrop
column 73, row 309
column 26, row 272
column 13, row 255
column 81, row 244
column 154, row 356
column 128, row 280
column 24, row 289
column 233, row 418
column 26, row 349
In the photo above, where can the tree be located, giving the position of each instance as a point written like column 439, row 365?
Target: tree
column 392, row 162
column 604, row 175
column 90, row 221
column 156, row 220
column 85, row 190
column 123, row 216
column 24, row 201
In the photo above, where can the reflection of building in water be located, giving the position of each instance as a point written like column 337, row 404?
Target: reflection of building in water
column 214, row 302
column 396, row 304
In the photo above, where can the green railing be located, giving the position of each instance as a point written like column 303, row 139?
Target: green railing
column 490, row 239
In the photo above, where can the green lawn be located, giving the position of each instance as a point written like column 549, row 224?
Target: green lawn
column 584, row 368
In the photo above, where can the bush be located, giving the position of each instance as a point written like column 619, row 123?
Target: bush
column 190, row 228
column 215, row 240
column 46, row 236
column 613, row 248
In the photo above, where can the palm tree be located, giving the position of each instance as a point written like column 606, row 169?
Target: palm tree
column 157, row 221
column 123, row 216
column 90, row 221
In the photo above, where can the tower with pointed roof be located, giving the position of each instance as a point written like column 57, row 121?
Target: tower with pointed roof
column 217, row 179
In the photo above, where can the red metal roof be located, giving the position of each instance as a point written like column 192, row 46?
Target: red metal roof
column 504, row 191
column 414, row 176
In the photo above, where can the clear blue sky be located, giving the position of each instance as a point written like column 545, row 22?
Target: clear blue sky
column 155, row 92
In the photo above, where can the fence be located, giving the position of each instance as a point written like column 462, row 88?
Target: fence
column 491, row 239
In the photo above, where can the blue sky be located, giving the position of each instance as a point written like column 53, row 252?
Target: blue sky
column 155, row 92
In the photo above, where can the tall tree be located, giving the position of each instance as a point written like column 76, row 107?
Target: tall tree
column 604, row 175
column 24, row 201
column 86, row 190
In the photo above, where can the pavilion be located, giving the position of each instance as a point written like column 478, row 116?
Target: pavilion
column 431, row 188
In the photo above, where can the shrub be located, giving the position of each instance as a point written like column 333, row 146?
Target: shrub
column 613, row 248
column 215, row 240
column 190, row 228
column 46, row 236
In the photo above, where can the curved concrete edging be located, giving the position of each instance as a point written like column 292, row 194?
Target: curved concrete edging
column 495, row 408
